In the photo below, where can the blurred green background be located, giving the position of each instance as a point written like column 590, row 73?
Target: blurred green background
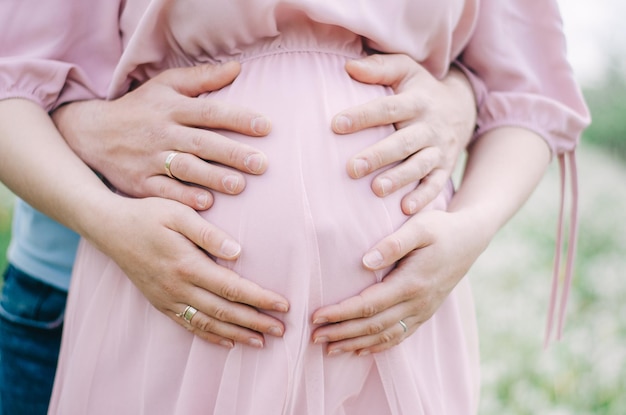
column 6, row 207
column 584, row 373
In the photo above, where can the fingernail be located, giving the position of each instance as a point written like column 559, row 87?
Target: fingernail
column 364, row 62
column 230, row 248
column 373, row 259
column 335, row 352
column 385, row 186
column 227, row 344
column 275, row 331
column 254, row 342
column 260, row 125
column 202, row 200
column 343, row 124
column 360, row 167
column 320, row 320
column 320, row 340
column 412, row 206
column 230, row 183
column 359, row 62
column 363, row 352
column 254, row 163
column 281, row 307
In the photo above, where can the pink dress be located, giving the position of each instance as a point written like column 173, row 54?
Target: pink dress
column 303, row 225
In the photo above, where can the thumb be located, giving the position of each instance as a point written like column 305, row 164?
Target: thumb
column 199, row 79
column 414, row 234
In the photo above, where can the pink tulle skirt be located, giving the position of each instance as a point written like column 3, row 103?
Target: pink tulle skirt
column 304, row 226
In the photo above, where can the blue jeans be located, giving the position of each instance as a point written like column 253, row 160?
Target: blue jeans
column 31, row 320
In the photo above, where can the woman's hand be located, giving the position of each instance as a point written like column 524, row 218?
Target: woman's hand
column 129, row 139
column 156, row 243
column 434, row 121
column 435, row 249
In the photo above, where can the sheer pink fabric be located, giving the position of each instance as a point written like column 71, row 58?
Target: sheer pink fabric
column 304, row 224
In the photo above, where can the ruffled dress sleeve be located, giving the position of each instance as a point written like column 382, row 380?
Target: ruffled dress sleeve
column 57, row 51
column 517, row 61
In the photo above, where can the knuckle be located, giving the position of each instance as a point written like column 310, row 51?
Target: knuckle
column 170, row 108
column 374, row 328
column 240, row 121
column 378, row 160
column 235, row 156
column 196, row 143
column 408, row 144
column 183, row 274
column 411, row 291
column 385, row 337
column 362, row 118
column 391, row 109
column 204, row 323
column 435, row 157
column 222, row 314
column 208, row 111
column 379, row 156
column 230, row 291
column 427, row 192
column 420, row 170
column 395, row 247
column 438, row 177
column 208, row 235
column 369, row 310
column 162, row 191
column 418, row 292
column 414, row 167
column 433, row 184
column 180, row 167
column 255, row 325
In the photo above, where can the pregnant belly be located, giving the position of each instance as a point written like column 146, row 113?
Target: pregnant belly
column 305, row 224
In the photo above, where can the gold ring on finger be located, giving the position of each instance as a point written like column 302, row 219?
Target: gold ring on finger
column 168, row 164
column 188, row 314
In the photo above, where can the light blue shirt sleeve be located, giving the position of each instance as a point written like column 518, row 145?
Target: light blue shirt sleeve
column 41, row 247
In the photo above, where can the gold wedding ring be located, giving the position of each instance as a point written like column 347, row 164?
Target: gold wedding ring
column 168, row 164
column 188, row 314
